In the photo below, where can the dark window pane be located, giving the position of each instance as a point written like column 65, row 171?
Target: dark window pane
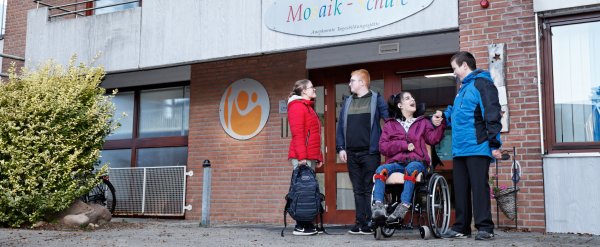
column 116, row 158
column 124, row 104
column 171, row 156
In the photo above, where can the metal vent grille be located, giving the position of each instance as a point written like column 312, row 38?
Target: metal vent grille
column 151, row 191
column 389, row 48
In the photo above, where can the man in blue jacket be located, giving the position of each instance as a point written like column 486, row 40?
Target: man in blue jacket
column 357, row 143
column 475, row 120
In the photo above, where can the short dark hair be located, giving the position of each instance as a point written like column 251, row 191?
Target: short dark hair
column 464, row 57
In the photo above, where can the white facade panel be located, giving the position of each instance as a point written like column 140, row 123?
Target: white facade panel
column 191, row 30
column 115, row 36
column 571, row 199
column 165, row 33
column 545, row 5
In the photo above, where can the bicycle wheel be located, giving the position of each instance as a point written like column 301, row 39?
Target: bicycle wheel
column 103, row 194
column 111, row 198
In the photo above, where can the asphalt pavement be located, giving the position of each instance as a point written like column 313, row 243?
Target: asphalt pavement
column 155, row 232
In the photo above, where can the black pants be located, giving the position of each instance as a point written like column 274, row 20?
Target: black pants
column 471, row 177
column 361, row 167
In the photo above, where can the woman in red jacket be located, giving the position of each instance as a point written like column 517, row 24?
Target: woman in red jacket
column 305, row 147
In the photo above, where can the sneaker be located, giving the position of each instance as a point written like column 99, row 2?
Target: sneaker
column 483, row 235
column 304, row 231
column 398, row 213
column 366, row 230
column 453, row 234
column 378, row 211
column 355, row 229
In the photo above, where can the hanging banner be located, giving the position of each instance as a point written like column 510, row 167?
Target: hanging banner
column 244, row 109
column 338, row 17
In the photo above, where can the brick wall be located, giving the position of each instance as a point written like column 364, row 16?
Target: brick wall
column 16, row 27
column 512, row 22
column 250, row 177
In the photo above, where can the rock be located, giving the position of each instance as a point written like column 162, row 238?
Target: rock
column 82, row 214
column 75, row 220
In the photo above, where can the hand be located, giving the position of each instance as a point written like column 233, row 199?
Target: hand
column 302, row 162
column 342, row 156
column 436, row 119
column 497, row 154
column 320, row 164
column 411, row 147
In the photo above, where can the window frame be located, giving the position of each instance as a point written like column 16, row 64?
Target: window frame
column 550, row 142
column 90, row 5
column 135, row 142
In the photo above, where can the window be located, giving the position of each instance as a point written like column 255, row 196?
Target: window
column 154, row 128
column 572, row 88
column 113, row 5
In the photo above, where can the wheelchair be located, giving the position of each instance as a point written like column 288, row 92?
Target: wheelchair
column 430, row 203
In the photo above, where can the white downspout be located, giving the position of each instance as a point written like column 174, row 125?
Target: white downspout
column 539, row 81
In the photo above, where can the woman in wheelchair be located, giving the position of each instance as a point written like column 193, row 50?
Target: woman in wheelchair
column 403, row 142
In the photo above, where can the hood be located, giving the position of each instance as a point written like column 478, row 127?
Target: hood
column 297, row 99
column 478, row 73
column 294, row 97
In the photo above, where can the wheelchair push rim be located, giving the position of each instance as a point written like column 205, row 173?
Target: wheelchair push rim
column 438, row 205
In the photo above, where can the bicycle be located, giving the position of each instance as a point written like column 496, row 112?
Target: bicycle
column 103, row 194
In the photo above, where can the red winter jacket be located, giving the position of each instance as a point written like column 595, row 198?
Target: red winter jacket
column 306, row 130
column 394, row 140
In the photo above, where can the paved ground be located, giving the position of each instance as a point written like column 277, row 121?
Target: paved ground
column 151, row 232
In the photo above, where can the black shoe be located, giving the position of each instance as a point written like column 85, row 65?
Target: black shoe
column 483, row 235
column 453, row 234
column 304, row 231
column 365, row 230
column 355, row 229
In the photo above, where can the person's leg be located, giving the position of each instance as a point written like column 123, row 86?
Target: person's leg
column 411, row 172
column 462, row 194
column 382, row 173
column 370, row 163
column 478, row 167
column 354, row 172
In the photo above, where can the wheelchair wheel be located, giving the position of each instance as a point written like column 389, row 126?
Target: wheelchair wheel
column 438, row 205
column 425, row 232
column 383, row 232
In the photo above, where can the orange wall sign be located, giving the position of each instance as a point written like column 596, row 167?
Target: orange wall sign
column 244, row 109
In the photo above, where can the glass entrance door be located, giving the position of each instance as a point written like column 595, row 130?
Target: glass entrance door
column 387, row 78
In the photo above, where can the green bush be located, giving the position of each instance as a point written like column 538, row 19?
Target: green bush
column 53, row 122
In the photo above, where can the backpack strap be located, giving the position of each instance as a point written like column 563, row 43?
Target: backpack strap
column 287, row 205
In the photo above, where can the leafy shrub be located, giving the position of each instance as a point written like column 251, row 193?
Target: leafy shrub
column 53, row 122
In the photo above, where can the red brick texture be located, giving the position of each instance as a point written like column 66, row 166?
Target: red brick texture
column 16, row 27
column 512, row 22
column 249, row 178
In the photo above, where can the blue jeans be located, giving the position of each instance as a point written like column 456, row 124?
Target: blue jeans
column 409, row 186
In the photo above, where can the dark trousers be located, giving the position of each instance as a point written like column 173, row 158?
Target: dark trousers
column 361, row 167
column 471, row 177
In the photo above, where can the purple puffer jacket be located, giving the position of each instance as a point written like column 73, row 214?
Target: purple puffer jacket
column 394, row 140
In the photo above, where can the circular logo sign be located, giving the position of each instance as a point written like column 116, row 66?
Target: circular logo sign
column 244, row 109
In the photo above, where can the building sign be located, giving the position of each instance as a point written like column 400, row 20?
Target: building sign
column 244, row 109
column 338, row 17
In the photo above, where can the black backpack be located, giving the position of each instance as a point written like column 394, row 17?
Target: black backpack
column 304, row 199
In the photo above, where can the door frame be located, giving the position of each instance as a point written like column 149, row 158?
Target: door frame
column 389, row 71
